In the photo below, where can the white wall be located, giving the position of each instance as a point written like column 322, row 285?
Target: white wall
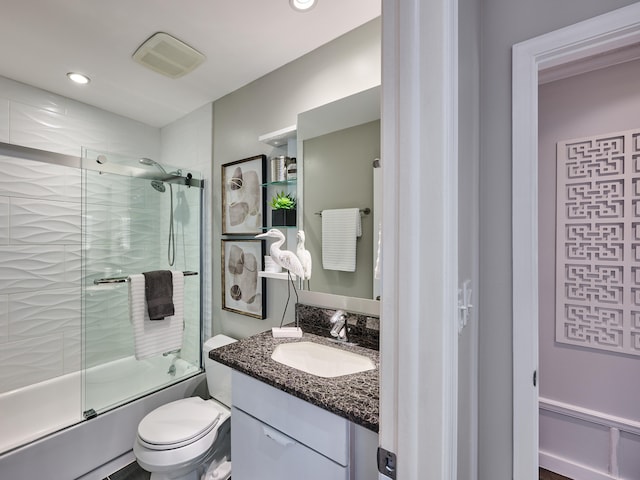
column 504, row 23
column 599, row 102
column 343, row 67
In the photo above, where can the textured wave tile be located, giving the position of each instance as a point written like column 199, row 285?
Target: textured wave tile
column 30, row 361
column 4, row 220
column 4, row 318
column 103, row 261
column 72, row 352
column 47, row 130
column 96, row 304
column 73, row 184
column 145, row 226
column 108, row 190
column 26, row 94
column 119, row 227
column 105, row 342
column 39, row 313
column 26, row 178
column 39, row 221
column 73, row 265
column 33, row 267
column 4, row 120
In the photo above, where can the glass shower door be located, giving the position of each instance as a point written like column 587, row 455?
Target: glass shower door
column 134, row 222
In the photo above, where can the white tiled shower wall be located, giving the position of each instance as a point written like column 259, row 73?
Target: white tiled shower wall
column 40, row 245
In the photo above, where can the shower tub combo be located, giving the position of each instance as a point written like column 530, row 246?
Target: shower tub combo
column 85, row 413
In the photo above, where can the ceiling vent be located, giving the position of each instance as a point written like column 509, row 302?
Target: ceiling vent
column 167, row 55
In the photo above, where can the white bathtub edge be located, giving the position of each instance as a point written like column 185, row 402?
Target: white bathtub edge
column 83, row 448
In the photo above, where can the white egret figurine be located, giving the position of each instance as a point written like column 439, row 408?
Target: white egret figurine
column 286, row 259
column 304, row 256
column 290, row 262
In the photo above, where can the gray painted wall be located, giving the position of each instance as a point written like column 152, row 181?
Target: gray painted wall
column 573, row 108
column 504, row 23
column 340, row 167
column 343, row 67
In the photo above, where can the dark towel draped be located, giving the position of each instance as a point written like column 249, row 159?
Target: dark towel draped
column 158, row 289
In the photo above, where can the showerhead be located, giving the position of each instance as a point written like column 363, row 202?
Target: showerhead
column 158, row 185
column 150, row 162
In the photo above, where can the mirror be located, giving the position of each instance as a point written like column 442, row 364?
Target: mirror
column 338, row 144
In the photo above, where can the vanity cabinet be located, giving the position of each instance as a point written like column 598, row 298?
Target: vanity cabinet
column 278, row 436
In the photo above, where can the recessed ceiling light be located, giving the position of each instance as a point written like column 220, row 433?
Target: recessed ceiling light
column 302, row 5
column 78, row 78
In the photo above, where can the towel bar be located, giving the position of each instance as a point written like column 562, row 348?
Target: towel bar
column 101, row 281
column 363, row 211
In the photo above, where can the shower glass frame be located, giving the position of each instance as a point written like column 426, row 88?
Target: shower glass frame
column 116, row 196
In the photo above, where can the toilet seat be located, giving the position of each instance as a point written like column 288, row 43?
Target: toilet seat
column 179, row 423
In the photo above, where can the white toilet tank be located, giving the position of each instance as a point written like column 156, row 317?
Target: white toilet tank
column 218, row 375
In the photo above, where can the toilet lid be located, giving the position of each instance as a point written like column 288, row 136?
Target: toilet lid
column 178, row 423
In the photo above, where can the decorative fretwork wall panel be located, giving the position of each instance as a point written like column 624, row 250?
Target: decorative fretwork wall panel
column 598, row 242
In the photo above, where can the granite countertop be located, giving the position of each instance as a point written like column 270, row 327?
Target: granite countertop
column 354, row 397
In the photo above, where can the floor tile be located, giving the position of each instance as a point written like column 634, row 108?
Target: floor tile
column 133, row 471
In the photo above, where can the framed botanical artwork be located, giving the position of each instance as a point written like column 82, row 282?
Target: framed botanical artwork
column 243, row 291
column 243, row 199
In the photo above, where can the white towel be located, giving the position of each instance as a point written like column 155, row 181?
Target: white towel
column 340, row 230
column 153, row 337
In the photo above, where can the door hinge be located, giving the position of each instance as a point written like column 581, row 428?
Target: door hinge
column 535, row 378
column 387, row 463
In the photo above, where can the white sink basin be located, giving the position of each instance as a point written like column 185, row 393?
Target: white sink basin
column 321, row 360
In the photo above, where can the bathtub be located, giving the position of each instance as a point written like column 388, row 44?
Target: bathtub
column 48, row 417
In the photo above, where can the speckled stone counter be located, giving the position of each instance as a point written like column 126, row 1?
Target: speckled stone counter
column 354, row 397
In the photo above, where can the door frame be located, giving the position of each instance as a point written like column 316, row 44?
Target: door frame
column 419, row 311
column 598, row 35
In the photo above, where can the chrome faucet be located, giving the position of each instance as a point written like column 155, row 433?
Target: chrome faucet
column 339, row 329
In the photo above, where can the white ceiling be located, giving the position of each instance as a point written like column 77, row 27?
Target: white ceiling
column 42, row 40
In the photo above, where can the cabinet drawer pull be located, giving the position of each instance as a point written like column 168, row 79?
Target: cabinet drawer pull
column 277, row 437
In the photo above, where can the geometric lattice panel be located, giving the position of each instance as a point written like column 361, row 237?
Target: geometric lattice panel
column 598, row 242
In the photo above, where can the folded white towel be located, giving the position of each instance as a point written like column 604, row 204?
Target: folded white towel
column 340, row 230
column 153, row 337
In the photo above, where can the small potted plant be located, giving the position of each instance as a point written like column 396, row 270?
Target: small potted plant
column 283, row 209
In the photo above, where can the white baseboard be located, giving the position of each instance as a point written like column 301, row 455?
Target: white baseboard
column 569, row 469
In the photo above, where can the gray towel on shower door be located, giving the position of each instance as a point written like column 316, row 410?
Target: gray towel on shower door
column 158, row 289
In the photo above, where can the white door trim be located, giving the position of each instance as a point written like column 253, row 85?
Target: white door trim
column 418, row 385
column 606, row 32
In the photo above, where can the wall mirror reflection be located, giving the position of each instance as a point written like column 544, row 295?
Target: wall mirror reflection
column 339, row 144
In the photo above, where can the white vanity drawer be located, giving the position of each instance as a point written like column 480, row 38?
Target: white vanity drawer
column 262, row 452
column 308, row 424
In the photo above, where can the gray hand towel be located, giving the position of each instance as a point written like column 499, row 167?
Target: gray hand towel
column 158, row 289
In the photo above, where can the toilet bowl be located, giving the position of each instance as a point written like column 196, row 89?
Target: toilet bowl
column 184, row 439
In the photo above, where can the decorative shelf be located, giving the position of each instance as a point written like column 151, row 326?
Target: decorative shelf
column 276, row 276
column 281, row 183
column 279, row 226
column 279, row 138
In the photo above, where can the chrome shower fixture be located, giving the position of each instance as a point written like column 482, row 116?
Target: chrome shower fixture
column 159, row 186
column 150, row 162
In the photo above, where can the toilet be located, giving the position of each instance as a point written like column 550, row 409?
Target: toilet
column 189, row 439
